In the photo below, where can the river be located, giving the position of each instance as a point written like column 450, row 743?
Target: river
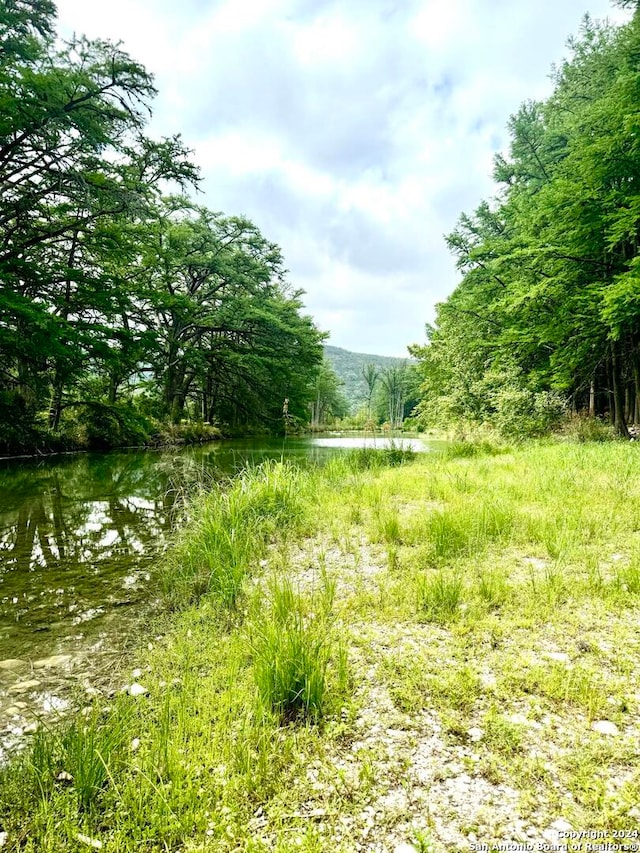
column 80, row 536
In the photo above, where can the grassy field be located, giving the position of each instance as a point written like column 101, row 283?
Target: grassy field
column 438, row 655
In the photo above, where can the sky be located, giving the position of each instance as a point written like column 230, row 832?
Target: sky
column 352, row 133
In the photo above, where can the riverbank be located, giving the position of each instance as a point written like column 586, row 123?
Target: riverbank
column 457, row 663
column 113, row 433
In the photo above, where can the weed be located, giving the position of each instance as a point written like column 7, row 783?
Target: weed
column 501, row 735
column 386, row 527
column 574, row 685
column 229, row 531
column 627, row 580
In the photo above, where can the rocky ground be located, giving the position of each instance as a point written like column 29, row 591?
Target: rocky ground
column 457, row 740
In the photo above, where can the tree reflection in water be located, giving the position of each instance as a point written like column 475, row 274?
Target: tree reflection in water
column 78, row 535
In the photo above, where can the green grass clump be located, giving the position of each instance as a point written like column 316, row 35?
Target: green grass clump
column 568, row 685
column 440, row 594
column 391, row 455
column 296, row 652
column 501, row 734
column 229, row 530
column 422, row 682
column 468, row 449
column 493, row 588
column 465, row 525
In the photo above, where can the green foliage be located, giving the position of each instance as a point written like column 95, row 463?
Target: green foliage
column 98, row 426
column 104, row 282
column 391, row 454
column 585, row 429
column 440, row 594
column 547, row 311
column 328, row 401
column 359, row 373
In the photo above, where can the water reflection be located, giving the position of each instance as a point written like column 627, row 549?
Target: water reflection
column 70, row 531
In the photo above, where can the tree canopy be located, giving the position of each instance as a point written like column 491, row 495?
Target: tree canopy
column 104, row 281
column 547, row 312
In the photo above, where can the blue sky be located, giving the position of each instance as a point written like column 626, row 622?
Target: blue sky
column 352, row 133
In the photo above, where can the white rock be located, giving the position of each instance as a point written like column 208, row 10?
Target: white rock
column 24, row 686
column 137, row 673
column 135, row 744
column 12, row 663
column 12, row 711
column 561, row 657
column 91, row 842
column 53, row 661
column 605, row 727
column 136, row 689
column 562, row 825
column 4, row 837
column 404, row 848
column 475, row 734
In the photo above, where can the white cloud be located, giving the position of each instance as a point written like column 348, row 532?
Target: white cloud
column 352, row 134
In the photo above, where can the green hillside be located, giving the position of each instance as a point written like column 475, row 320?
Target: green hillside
column 348, row 366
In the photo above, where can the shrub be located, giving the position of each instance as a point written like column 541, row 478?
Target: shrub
column 583, row 429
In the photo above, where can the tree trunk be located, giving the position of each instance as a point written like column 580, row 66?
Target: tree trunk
column 592, row 399
column 55, row 409
column 618, row 394
column 636, row 382
column 610, row 396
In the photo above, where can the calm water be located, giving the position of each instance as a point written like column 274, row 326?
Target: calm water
column 79, row 538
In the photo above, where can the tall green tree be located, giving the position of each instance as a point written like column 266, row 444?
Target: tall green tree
column 548, row 297
column 73, row 166
column 328, row 400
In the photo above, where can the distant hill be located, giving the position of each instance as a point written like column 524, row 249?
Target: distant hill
column 348, row 366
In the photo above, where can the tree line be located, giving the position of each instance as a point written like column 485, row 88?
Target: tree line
column 546, row 316
column 119, row 296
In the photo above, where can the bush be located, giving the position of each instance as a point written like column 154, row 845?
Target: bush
column 522, row 413
column 188, row 432
column 17, row 423
column 99, row 426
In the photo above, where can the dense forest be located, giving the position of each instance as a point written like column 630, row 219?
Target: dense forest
column 546, row 317
column 124, row 305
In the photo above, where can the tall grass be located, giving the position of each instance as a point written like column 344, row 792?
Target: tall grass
column 462, row 526
column 229, row 530
column 440, row 594
column 391, row 455
column 514, row 557
column 296, row 651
